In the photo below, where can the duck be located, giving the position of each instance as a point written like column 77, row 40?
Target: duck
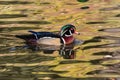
column 64, row 37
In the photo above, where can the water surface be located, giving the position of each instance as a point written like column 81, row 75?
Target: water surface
column 96, row 59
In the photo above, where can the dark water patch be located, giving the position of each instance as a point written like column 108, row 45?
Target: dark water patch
column 22, row 28
column 82, row 0
column 3, row 42
column 25, row 59
column 2, row 39
column 24, row 22
column 68, row 3
column 4, row 16
column 93, row 40
column 4, row 29
column 72, row 62
column 113, row 55
column 29, row 11
column 113, row 66
column 9, row 77
column 67, row 53
column 22, row 10
column 99, row 38
column 90, row 47
column 113, row 69
column 118, row 15
column 26, row 72
column 92, row 78
column 57, row 71
column 88, row 78
column 9, row 50
column 17, row 28
column 62, row 19
column 109, row 37
column 112, row 45
column 96, row 22
column 105, row 72
column 93, row 72
column 103, row 53
column 52, row 76
column 37, row 68
column 32, row 59
column 85, row 7
column 41, row 68
column 17, row 73
column 5, row 35
column 45, row 3
column 14, row 2
column 38, row 12
column 110, row 30
column 110, row 8
column 96, row 61
column 48, row 51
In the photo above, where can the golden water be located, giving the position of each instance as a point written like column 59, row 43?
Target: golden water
column 97, row 59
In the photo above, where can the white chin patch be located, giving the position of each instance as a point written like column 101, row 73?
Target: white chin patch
column 69, row 34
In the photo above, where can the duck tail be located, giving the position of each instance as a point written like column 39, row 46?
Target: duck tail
column 25, row 37
column 34, row 33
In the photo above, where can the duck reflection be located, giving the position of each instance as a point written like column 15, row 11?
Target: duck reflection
column 66, row 51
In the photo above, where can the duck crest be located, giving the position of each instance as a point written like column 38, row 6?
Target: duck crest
column 67, row 32
column 67, row 29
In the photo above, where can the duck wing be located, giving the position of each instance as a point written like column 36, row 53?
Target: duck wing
column 39, row 35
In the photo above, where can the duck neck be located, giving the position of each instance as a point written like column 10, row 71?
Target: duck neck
column 68, row 39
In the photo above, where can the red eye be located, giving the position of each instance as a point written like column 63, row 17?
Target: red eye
column 72, row 30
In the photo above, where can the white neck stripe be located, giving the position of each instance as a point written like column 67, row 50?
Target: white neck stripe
column 67, row 35
column 63, row 41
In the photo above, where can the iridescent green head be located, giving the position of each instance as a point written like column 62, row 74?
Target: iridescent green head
column 67, row 30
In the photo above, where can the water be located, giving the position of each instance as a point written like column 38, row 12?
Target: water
column 35, row 62
column 96, row 59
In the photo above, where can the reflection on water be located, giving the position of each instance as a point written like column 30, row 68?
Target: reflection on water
column 25, row 61
column 109, row 56
column 99, row 56
column 65, row 52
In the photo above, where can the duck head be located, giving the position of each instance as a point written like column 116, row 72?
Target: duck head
column 67, row 32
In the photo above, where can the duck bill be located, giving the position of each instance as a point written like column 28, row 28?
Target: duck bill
column 78, row 33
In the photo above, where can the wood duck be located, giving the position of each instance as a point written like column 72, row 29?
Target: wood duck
column 64, row 37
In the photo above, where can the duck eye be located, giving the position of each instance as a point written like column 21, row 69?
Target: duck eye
column 72, row 30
